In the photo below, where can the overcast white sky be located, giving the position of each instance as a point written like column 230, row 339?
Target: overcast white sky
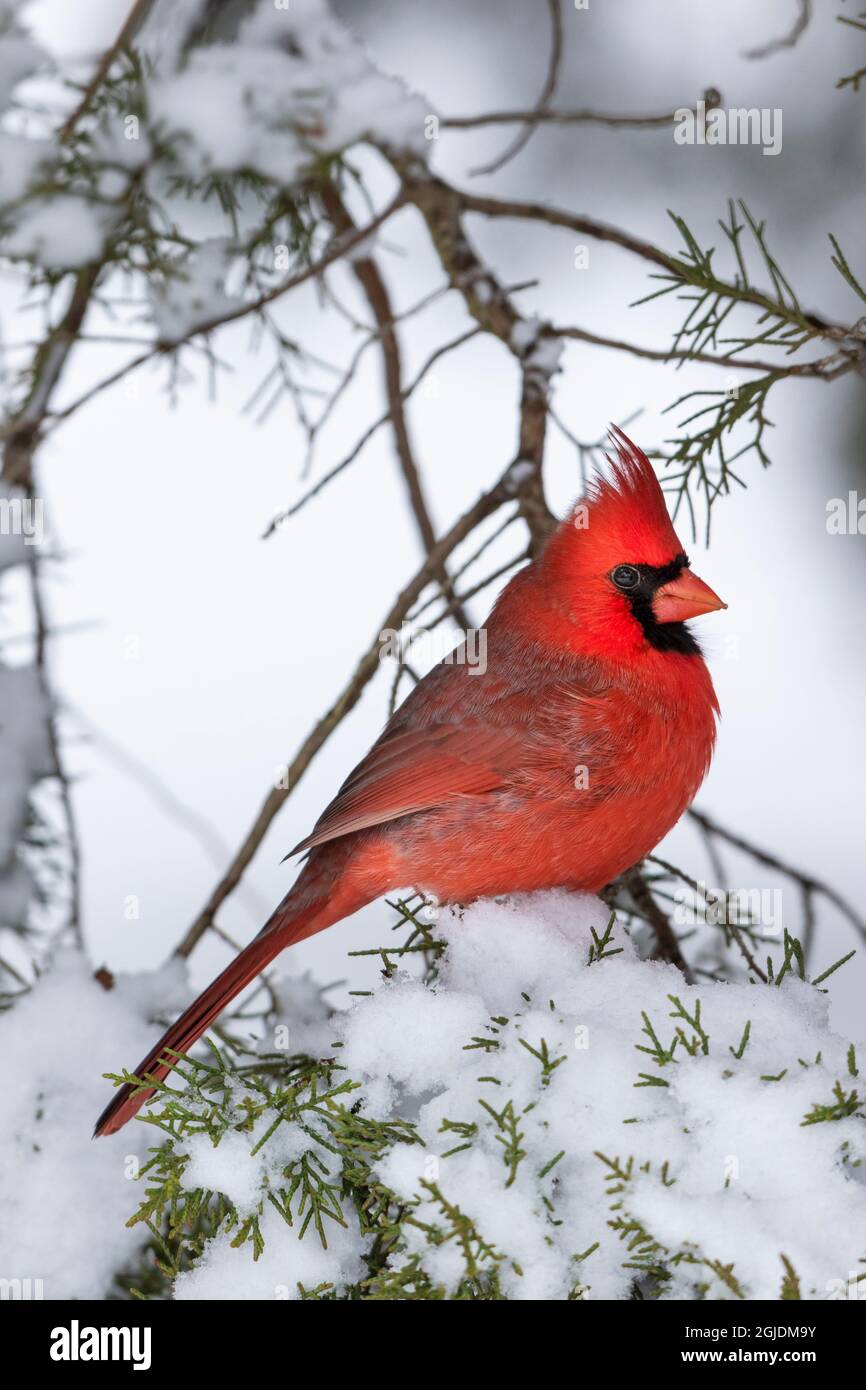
column 242, row 643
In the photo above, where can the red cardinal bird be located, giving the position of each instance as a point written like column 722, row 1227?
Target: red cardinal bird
column 560, row 765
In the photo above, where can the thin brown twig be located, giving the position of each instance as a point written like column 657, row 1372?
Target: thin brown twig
column 370, row 278
column 73, row 838
column 348, row 373
column 771, row 861
column 732, row 927
column 750, row 364
column 22, row 431
column 335, row 252
column 477, row 588
column 524, row 210
column 548, row 91
column 491, row 307
column 788, row 40
column 667, row 946
column 602, row 231
column 578, row 116
column 338, row 468
column 467, row 564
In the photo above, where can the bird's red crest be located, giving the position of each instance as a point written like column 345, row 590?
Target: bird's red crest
column 622, row 519
column 626, row 515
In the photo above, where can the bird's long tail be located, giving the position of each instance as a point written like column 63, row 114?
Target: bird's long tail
column 290, row 923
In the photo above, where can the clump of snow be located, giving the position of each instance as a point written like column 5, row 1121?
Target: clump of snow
column 120, row 146
column 293, row 86
column 20, row 161
column 539, row 348
column 18, row 523
column 545, row 358
column 432, row 1027
column 741, row 1167
column 19, row 55
column 519, row 473
column 223, row 1168
column 166, row 30
column 524, row 334
column 66, row 1198
column 25, row 750
column 25, row 753
column 300, row 1020
column 286, row 1263
column 25, row 757
column 59, row 233
column 195, row 294
column 16, row 892
column 558, row 1089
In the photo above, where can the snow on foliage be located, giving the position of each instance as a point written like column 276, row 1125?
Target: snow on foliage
column 195, row 292
column 19, row 55
column 549, row 1118
column 25, row 752
column 294, row 86
column 20, row 162
column 20, row 157
column 291, row 89
column 59, row 233
column 66, row 1199
column 25, row 757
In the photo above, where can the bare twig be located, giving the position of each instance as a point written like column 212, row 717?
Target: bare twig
column 492, row 309
column 22, row 431
column 750, row 364
column 477, row 588
column 348, row 374
column 524, row 210
column 547, row 92
column 788, row 40
column 339, row 248
column 771, row 861
column 737, row 935
column 367, row 435
column 73, row 838
column 467, row 564
column 577, row 116
column 372, row 283
column 667, row 946
column 603, row 231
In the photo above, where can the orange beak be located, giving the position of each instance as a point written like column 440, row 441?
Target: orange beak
column 685, row 597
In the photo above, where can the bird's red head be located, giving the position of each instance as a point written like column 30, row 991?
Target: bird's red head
column 615, row 570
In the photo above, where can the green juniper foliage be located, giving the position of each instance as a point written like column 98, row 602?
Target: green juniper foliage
column 704, row 452
column 312, row 1109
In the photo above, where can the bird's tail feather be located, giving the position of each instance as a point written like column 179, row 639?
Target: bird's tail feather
column 288, row 924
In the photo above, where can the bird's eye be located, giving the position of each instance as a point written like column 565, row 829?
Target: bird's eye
column 626, row 577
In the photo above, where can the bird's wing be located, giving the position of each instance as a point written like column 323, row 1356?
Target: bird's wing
column 417, row 768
